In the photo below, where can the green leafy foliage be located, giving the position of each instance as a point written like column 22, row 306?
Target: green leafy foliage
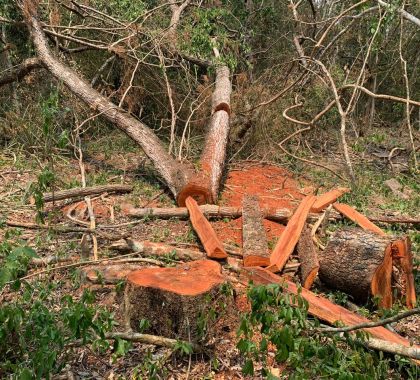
column 282, row 323
column 34, row 331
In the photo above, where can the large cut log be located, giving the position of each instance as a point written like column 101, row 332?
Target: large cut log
column 211, row 243
column 149, row 248
column 175, row 175
column 255, row 246
column 308, row 257
column 324, row 200
column 173, row 300
column 85, row 191
column 290, row 236
column 358, row 218
column 403, row 259
column 359, row 263
column 322, row 308
column 204, row 186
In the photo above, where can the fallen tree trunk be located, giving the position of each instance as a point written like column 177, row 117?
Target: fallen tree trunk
column 85, row 191
column 358, row 218
column 359, row 263
column 156, row 249
column 290, row 235
column 322, row 308
column 308, row 258
column 280, row 215
column 254, row 240
column 204, row 186
column 175, row 174
column 173, row 300
column 211, row 243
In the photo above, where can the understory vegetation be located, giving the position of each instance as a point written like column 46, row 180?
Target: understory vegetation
column 327, row 90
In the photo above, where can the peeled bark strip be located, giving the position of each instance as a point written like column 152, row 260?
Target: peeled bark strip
column 308, row 257
column 403, row 258
column 358, row 218
column 324, row 309
column 85, row 191
column 324, row 200
column 359, row 263
column 255, row 245
column 175, row 175
column 211, row 243
column 290, row 235
column 172, row 299
column 149, row 248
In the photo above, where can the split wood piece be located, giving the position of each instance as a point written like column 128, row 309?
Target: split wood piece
column 322, row 308
column 359, row 263
column 82, row 192
column 172, row 299
column 156, row 249
column 290, row 235
column 308, row 257
column 402, row 258
column 324, row 200
column 255, row 246
column 211, row 243
column 358, row 218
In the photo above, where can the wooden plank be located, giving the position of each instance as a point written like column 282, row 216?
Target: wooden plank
column 255, row 245
column 290, row 235
column 211, row 243
column 324, row 200
column 358, row 218
column 308, row 257
column 324, row 309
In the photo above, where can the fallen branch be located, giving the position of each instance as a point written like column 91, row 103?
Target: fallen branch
column 381, row 322
column 86, row 191
column 20, row 71
column 393, row 348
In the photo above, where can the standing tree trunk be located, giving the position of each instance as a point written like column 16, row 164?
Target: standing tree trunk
column 175, row 175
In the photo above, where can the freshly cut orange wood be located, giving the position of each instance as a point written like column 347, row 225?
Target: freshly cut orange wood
column 403, row 258
column 211, row 243
column 358, row 218
column 255, row 245
column 324, row 309
column 290, row 235
column 328, row 198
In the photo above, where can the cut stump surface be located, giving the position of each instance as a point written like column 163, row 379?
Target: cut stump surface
column 172, row 299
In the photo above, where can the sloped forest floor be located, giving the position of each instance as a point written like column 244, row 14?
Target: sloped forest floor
column 277, row 186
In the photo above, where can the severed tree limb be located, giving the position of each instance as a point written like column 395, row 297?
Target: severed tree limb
column 86, row 191
column 364, row 325
column 175, row 174
column 404, row 13
column 392, row 348
column 18, row 72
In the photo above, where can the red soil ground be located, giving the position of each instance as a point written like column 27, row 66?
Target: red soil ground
column 275, row 187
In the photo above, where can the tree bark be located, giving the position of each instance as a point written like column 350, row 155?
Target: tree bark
column 359, row 263
column 82, row 192
column 255, row 246
column 308, row 257
column 175, row 175
column 173, row 300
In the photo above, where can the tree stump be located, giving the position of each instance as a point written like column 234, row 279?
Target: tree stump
column 359, row 263
column 176, row 300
